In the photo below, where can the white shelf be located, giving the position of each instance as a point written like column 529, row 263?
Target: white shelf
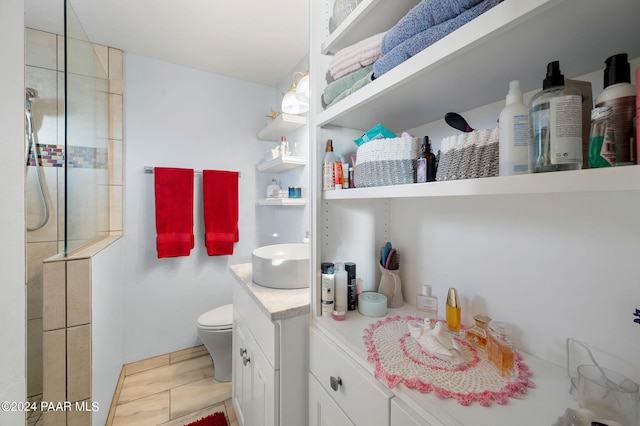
column 472, row 66
column 281, row 164
column 282, row 125
column 370, row 17
column 626, row 178
column 282, row 202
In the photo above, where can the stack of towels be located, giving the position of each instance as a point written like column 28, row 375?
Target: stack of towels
column 426, row 23
column 430, row 20
column 352, row 68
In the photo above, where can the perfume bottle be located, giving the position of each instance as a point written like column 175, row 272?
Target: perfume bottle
column 500, row 349
column 453, row 310
column 427, row 303
column 477, row 335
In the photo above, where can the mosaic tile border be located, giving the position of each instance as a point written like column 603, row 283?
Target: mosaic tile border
column 80, row 157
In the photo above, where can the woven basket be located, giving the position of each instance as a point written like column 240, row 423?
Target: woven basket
column 383, row 162
column 469, row 155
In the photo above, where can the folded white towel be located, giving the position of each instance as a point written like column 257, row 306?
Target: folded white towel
column 356, row 56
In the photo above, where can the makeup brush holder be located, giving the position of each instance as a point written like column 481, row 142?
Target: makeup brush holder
column 391, row 286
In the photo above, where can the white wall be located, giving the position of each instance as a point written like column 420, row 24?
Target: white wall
column 181, row 117
column 107, row 280
column 12, row 245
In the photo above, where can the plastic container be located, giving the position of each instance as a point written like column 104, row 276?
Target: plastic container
column 340, row 295
column 555, row 117
column 328, row 167
column 514, row 134
column 273, row 190
column 620, row 95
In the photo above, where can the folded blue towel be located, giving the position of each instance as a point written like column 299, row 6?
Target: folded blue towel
column 421, row 41
column 426, row 14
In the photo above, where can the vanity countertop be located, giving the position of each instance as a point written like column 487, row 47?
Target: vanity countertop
column 275, row 303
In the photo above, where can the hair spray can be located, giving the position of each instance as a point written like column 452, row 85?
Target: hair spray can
column 352, row 296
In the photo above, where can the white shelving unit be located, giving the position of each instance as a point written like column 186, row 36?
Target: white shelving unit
column 282, row 164
column 282, row 125
column 468, row 69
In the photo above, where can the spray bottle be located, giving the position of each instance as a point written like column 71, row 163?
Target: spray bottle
column 514, row 134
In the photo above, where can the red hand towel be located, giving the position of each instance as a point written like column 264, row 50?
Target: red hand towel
column 220, row 202
column 174, row 211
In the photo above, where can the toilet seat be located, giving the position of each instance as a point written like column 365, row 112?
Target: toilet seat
column 218, row 319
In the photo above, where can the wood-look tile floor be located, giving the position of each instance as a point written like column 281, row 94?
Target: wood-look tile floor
column 173, row 394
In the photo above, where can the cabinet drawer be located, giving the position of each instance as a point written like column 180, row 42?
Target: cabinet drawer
column 359, row 394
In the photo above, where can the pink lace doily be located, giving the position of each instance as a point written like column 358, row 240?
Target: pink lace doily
column 399, row 358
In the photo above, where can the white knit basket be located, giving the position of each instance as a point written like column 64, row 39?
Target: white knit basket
column 386, row 162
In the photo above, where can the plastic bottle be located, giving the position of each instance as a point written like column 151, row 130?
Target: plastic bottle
column 328, row 167
column 421, row 165
column 327, row 280
column 555, row 123
column 620, row 95
column 340, row 293
column 514, row 134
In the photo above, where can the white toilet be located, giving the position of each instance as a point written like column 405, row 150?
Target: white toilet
column 214, row 329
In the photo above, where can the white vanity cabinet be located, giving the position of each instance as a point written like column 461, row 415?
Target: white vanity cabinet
column 270, row 353
column 464, row 233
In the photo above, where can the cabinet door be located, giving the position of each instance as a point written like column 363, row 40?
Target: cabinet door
column 264, row 391
column 241, row 375
column 323, row 410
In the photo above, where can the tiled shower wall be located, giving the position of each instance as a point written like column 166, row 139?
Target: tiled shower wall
column 59, row 292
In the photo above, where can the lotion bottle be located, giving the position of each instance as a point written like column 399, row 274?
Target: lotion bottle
column 555, row 123
column 620, row 95
column 340, row 293
column 514, row 134
column 327, row 281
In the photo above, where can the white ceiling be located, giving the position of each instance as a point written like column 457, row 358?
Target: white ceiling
column 253, row 40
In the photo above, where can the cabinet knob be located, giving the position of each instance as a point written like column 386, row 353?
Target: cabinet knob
column 336, row 382
column 246, row 360
column 243, row 351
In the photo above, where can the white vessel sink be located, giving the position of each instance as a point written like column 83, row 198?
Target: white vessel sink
column 283, row 266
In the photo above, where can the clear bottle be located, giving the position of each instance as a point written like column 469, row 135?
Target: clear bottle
column 477, row 335
column 555, row 123
column 500, row 349
column 514, row 134
column 328, row 167
column 453, row 311
column 427, row 303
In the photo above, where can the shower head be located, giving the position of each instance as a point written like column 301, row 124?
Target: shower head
column 31, row 93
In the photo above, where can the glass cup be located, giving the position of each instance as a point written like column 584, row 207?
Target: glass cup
column 610, row 395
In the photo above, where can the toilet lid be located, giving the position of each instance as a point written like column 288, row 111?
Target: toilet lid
column 218, row 318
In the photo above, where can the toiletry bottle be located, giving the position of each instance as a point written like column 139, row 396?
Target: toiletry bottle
column 352, row 181
column 427, row 303
column 352, row 294
column 555, row 123
column 328, row 167
column 345, row 176
column 327, row 280
column 340, row 292
column 453, row 310
column 500, row 349
column 602, row 138
column 284, row 146
column 338, row 174
column 620, row 95
column 421, row 164
column 477, row 335
column 432, row 162
column 514, row 134
column 273, row 190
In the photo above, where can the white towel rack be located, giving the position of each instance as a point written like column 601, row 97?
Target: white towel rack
column 149, row 170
